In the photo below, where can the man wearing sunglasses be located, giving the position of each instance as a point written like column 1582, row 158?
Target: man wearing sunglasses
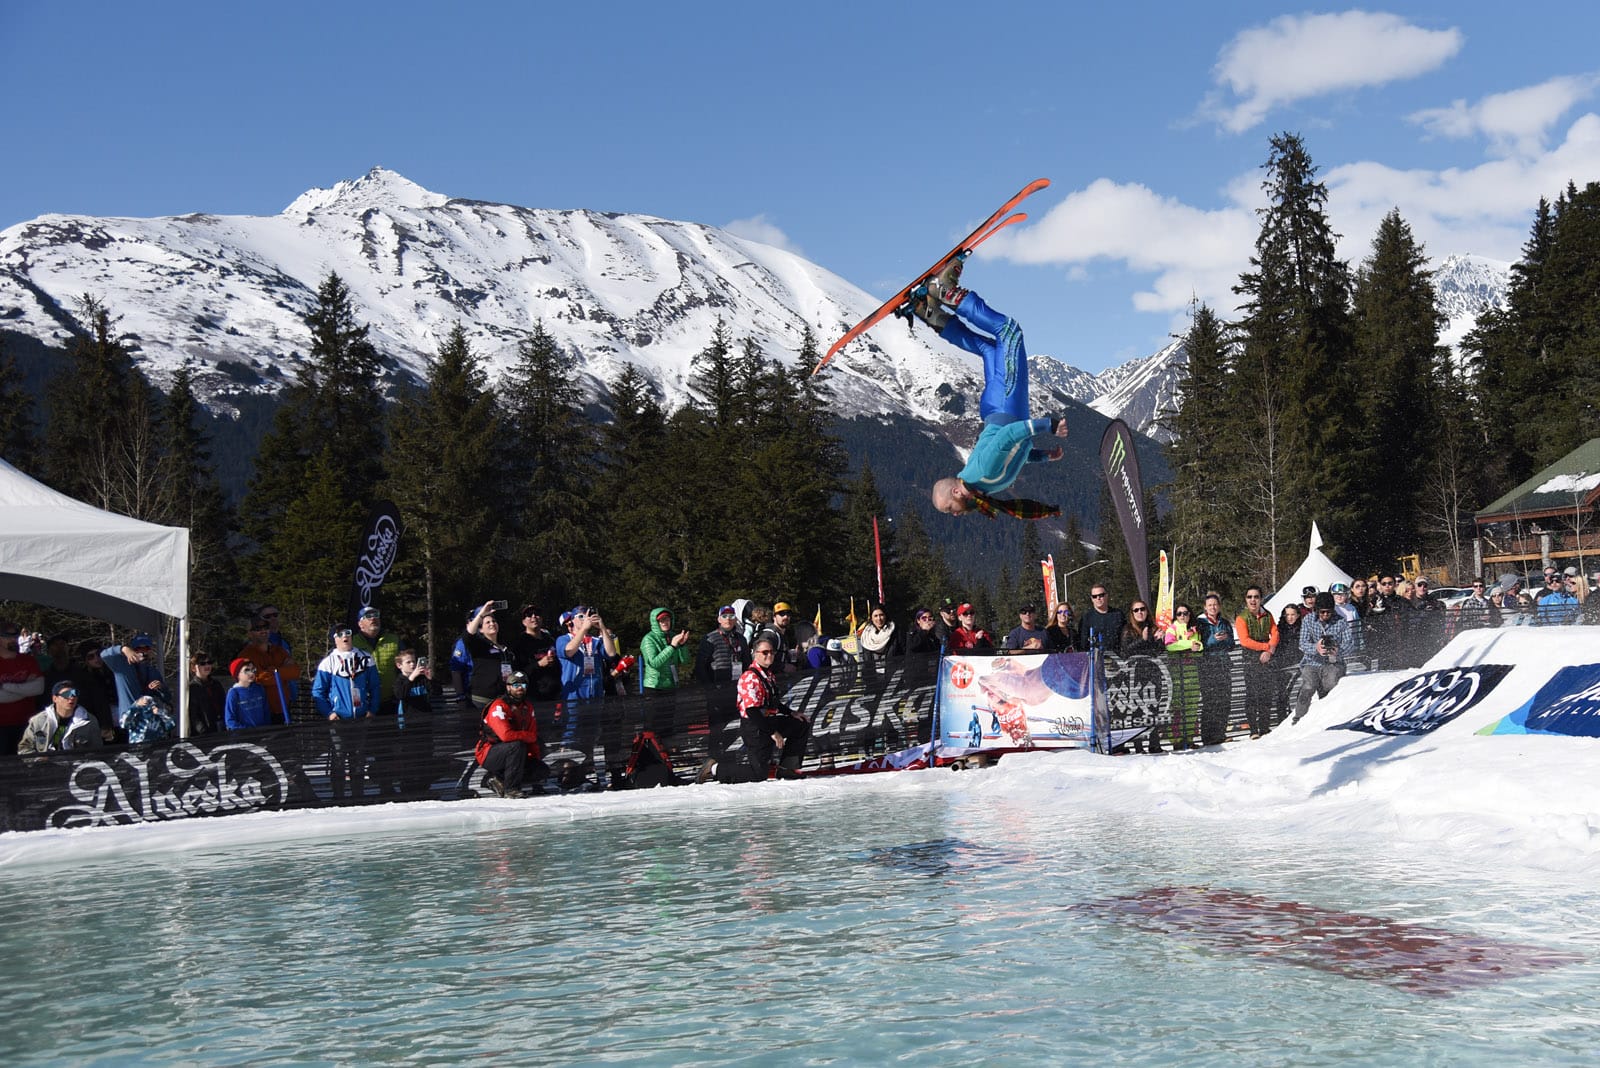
column 1102, row 624
column 768, row 726
column 62, row 725
column 346, row 694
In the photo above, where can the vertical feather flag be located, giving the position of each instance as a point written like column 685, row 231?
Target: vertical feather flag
column 817, row 623
column 1164, row 594
column 854, row 626
column 1051, row 599
column 877, row 552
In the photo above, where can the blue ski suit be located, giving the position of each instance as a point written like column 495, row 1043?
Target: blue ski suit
column 1005, row 443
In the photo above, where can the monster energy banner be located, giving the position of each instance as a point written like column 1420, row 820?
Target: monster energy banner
column 380, row 541
column 1428, row 701
column 1127, row 493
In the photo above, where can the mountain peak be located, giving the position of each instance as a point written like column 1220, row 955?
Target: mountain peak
column 379, row 187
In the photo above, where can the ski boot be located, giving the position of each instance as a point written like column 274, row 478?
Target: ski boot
column 945, row 287
column 930, row 311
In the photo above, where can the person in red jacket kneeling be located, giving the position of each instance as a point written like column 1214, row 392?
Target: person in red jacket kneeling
column 508, row 745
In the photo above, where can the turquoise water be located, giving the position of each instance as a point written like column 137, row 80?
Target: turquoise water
column 780, row 924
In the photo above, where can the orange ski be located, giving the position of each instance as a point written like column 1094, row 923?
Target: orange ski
column 1001, row 219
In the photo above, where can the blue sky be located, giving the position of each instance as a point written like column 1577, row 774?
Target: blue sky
column 866, row 136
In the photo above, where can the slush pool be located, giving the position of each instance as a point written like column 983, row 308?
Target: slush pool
column 931, row 916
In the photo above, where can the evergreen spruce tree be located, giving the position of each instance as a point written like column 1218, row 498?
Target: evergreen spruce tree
column 628, row 509
column 448, row 489
column 1073, row 573
column 714, row 380
column 546, row 455
column 1210, row 489
column 1030, row 578
column 1396, row 328
column 196, row 501
column 855, row 562
column 346, row 398
column 329, row 427
column 16, row 416
column 1295, row 374
column 104, row 423
column 313, row 551
column 920, row 577
column 1535, row 361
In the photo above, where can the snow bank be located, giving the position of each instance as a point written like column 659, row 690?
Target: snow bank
column 1528, row 801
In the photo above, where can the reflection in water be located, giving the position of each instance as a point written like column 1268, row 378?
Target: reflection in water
column 1424, row 960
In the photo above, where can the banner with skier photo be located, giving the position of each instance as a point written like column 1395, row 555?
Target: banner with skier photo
column 1032, row 701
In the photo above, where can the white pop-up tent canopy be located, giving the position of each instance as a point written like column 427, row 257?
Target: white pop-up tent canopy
column 61, row 552
column 1315, row 570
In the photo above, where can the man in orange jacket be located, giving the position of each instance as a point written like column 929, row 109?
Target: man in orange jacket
column 508, row 745
column 1257, row 632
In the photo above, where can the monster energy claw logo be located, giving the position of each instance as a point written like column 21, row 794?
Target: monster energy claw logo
column 1119, row 453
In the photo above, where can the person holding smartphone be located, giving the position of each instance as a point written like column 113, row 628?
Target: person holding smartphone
column 492, row 660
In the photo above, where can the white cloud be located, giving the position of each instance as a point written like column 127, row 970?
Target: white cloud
column 1294, row 57
column 1485, row 209
column 1197, row 252
column 758, row 228
column 1514, row 122
column 1190, row 251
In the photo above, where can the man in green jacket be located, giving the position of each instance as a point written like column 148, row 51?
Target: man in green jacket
column 662, row 651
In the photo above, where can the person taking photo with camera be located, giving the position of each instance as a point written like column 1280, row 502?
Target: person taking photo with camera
column 1324, row 635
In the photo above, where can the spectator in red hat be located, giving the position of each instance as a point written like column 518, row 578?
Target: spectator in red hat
column 968, row 636
column 245, row 705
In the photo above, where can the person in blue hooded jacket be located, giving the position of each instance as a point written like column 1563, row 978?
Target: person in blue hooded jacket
column 345, row 692
column 1005, row 444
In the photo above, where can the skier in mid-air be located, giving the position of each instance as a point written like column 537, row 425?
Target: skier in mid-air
column 1005, row 444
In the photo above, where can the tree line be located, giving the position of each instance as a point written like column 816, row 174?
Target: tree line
column 516, row 490
column 1331, row 399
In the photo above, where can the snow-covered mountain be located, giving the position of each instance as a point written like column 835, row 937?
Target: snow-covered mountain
column 1467, row 287
column 230, row 295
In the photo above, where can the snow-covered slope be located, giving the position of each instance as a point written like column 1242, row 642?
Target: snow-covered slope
column 1467, row 287
column 1143, row 391
column 234, row 290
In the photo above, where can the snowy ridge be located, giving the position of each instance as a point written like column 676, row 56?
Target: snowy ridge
column 230, row 292
column 1143, row 392
column 613, row 288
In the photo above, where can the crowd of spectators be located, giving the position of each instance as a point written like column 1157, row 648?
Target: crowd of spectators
column 56, row 696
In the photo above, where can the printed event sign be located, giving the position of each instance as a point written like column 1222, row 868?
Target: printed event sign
column 1031, row 701
column 1426, row 702
column 1568, row 704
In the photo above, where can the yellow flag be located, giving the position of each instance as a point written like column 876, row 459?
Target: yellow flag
column 1164, row 594
column 816, row 624
column 854, row 626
